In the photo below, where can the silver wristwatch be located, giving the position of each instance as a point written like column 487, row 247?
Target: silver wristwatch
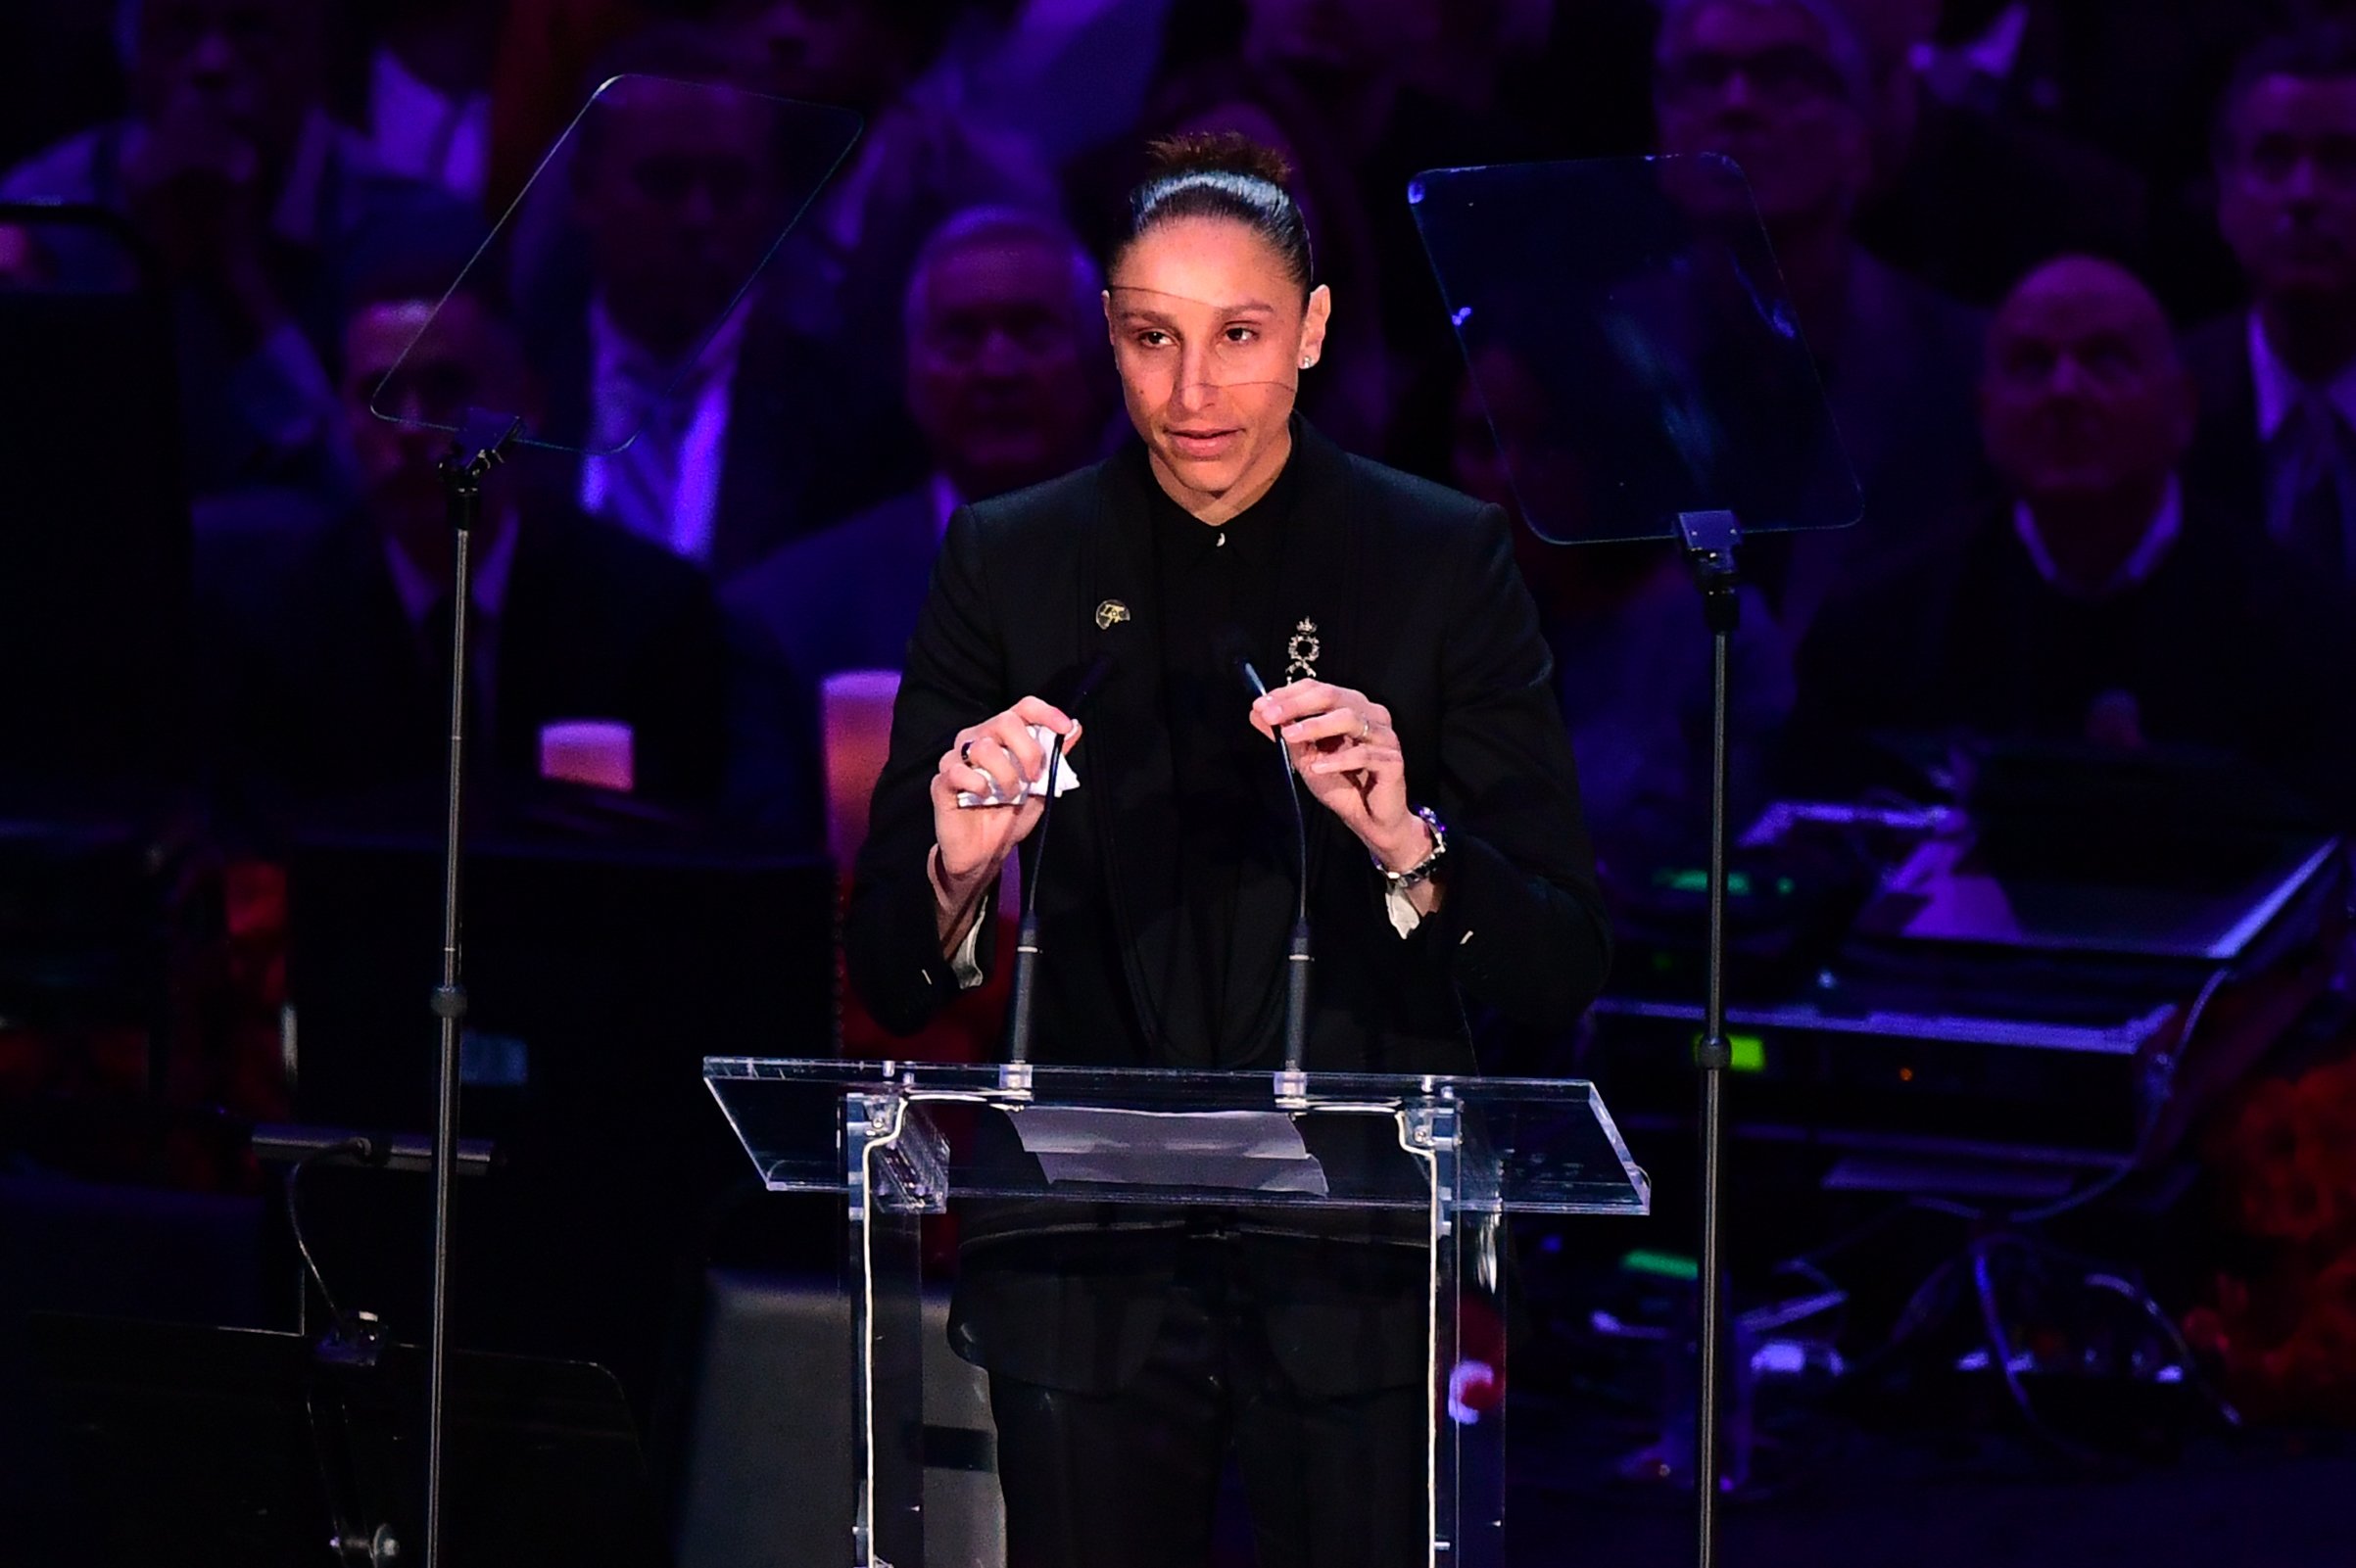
column 1422, row 869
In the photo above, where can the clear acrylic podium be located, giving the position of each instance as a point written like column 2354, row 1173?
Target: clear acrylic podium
column 1432, row 1164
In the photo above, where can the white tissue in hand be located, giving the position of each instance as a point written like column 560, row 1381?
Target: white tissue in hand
column 1066, row 780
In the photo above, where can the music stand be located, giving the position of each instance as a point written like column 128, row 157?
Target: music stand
column 1631, row 315
column 705, row 181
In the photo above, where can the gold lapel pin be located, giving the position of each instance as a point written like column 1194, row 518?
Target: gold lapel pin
column 1110, row 614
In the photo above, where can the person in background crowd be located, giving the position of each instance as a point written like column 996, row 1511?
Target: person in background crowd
column 841, row 274
column 328, row 658
column 716, row 428
column 1966, row 195
column 1785, row 88
column 2128, row 78
column 416, row 81
column 1624, row 621
column 262, row 214
column 2278, row 381
column 1002, row 313
column 2102, row 598
column 1581, row 87
column 2135, row 82
column 1393, row 88
column 540, row 75
column 1008, row 63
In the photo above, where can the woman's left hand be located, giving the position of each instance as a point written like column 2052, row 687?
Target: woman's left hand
column 1344, row 749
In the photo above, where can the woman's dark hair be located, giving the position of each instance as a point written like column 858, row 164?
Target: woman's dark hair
column 1220, row 174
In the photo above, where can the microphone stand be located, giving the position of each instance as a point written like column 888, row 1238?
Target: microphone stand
column 1016, row 1074
column 1292, row 1082
column 480, row 446
column 1709, row 540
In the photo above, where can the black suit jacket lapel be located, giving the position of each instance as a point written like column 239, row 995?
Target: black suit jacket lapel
column 2228, row 457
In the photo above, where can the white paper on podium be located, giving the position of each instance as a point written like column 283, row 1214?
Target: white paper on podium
column 1237, row 1151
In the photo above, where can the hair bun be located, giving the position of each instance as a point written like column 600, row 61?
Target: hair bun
column 1215, row 152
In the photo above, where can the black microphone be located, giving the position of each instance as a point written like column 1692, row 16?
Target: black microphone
column 1232, row 645
column 1026, row 938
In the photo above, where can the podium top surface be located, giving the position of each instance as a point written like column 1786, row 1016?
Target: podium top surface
column 1150, row 1136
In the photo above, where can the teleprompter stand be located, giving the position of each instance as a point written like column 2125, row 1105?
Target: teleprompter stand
column 1709, row 540
column 1625, row 325
column 481, row 446
column 748, row 194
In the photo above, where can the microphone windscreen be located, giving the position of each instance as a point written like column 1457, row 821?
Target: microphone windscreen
column 1233, row 649
column 1089, row 680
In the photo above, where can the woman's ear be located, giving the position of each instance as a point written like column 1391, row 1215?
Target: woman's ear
column 1312, row 325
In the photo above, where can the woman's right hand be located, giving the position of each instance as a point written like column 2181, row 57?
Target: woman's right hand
column 998, row 756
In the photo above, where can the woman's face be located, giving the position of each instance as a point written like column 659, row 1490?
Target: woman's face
column 1209, row 333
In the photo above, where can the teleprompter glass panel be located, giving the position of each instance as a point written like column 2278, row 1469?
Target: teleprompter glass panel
column 1630, row 338
column 674, row 194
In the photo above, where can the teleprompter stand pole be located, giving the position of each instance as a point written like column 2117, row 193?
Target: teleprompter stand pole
column 1709, row 540
column 480, row 446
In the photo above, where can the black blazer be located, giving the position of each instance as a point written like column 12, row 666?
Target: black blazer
column 808, row 439
column 2229, row 646
column 323, row 695
column 1417, row 601
column 2227, row 461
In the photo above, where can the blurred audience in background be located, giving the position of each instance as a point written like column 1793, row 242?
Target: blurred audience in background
column 927, row 333
column 1785, row 89
column 542, row 72
column 2099, row 599
column 414, row 77
column 1008, row 378
column 1967, row 196
column 328, row 645
column 841, row 274
column 1010, row 65
column 261, row 212
column 2278, row 380
column 714, row 426
column 779, row 285
column 1632, row 653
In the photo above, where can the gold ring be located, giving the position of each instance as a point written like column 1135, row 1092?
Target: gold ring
column 1366, row 726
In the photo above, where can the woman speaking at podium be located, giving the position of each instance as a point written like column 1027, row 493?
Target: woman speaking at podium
column 1448, row 866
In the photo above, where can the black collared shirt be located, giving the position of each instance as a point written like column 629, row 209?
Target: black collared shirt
column 1223, row 1001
